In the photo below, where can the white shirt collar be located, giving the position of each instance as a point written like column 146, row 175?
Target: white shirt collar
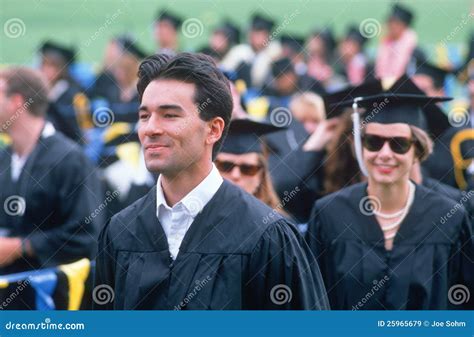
column 195, row 200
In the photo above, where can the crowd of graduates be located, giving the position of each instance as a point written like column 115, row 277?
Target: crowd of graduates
column 291, row 143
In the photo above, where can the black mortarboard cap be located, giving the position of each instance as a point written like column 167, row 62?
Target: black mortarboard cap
column 281, row 66
column 402, row 13
column 332, row 101
column 327, row 35
column 129, row 45
column 174, row 19
column 230, row 30
column 244, row 136
column 398, row 105
column 295, row 43
column 260, row 22
column 353, row 33
column 66, row 53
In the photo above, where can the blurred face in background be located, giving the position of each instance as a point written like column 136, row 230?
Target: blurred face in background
column 112, row 54
column 395, row 28
column 286, row 83
column 244, row 170
column 165, row 34
column 126, row 70
column 219, row 42
column 258, row 39
column 348, row 48
column 316, row 48
column 53, row 68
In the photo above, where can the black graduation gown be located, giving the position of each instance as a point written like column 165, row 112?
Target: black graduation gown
column 297, row 175
column 440, row 164
column 235, row 252
column 431, row 253
column 70, row 112
column 60, row 190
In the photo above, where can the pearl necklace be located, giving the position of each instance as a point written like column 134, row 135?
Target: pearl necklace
column 404, row 211
column 400, row 212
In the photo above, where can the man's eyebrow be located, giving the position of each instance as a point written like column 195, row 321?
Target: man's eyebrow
column 162, row 107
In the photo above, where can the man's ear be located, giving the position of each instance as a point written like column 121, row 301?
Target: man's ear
column 17, row 101
column 215, row 129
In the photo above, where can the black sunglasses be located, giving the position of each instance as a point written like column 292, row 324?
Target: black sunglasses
column 245, row 169
column 400, row 145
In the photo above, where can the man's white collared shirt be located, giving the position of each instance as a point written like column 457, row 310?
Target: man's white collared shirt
column 176, row 220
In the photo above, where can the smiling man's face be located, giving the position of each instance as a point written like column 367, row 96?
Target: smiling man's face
column 171, row 132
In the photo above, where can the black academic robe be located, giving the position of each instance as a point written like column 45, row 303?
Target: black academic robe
column 440, row 164
column 70, row 112
column 297, row 175
column 237, row 254
column 432, row 252
column 60, row 190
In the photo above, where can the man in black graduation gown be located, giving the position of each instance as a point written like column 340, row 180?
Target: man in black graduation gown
column 48, row 188
column 196, row 241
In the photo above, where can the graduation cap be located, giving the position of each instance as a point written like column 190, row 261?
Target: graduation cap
column 401, row 13
column 353, row 33
column 437, row 74
column 295, row 43
column 230, row 30
column 395, row 105
column 129, row 45
column 436, row 121
column 172, row 18
column 260, row 22
column 332, row 101
column 66, row 53
column 282, row 66
column 244, row 136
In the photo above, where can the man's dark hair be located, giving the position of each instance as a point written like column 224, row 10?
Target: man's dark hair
column 212, row 95
column 30, row 85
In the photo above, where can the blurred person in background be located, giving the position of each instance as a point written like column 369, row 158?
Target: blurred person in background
column 166, row 32
column 69, row 108
column 351, row 50
column 48, row 186
column 243, row 161
column 256, row 57
column 396, row 48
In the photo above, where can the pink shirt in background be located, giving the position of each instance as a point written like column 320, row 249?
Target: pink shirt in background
column 393, row 56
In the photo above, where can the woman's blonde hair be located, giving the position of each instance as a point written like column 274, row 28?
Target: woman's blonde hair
column 310, row 103
column 265, row 191
column 423, row 143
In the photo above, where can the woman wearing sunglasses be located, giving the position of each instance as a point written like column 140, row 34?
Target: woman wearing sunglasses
column 388, row 243
column 242, row 161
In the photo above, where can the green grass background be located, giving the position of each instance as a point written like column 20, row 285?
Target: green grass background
column 88, row 24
